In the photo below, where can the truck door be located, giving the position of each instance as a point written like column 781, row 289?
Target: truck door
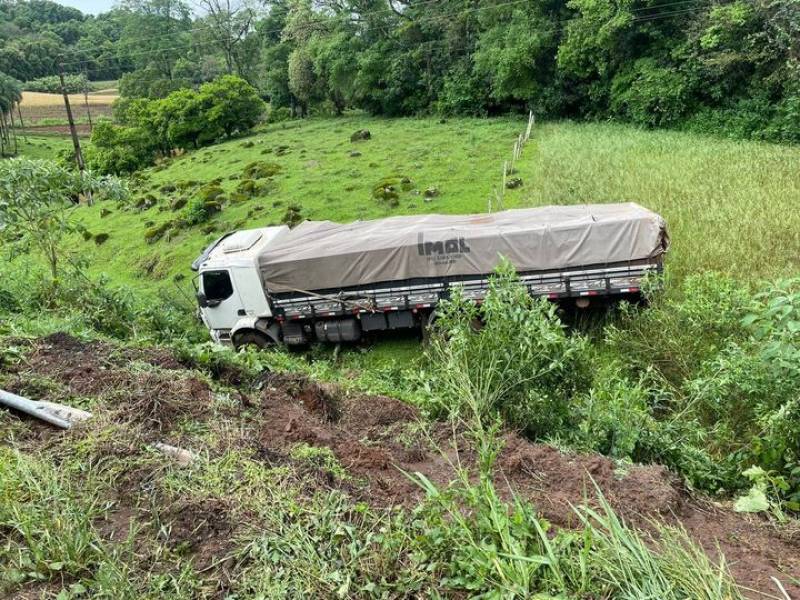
column 221, row 300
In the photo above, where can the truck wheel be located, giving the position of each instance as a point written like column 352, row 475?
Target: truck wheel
column 427, row 321
column 251, row 339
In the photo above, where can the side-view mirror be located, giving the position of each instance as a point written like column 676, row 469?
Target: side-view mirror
column 205, row 302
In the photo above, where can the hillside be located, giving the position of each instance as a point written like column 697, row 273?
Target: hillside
column 730, row 205
column 398, row 470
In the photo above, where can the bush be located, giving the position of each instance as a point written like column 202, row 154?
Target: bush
column 73, row 84
column 650, row 94
column 280, row 114
column 205, row 205
column 676, row 333
column 119, row 150
column 510, row 356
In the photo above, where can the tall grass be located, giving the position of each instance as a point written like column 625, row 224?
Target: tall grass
column 731, row 206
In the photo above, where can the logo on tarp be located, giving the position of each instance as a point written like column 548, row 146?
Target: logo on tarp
column 452, row 246
column 442, row 250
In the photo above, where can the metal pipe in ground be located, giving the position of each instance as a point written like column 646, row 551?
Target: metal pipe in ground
column 32, row 408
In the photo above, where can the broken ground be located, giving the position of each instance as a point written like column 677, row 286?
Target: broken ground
column 314, row 438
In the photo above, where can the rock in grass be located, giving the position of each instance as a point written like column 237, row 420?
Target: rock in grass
column 360, row 135
column 431, row 192
column 293, row 215
column 260, row 170
column 101, row 238
column 104, row 212
column 513, row 183
column 354, row 153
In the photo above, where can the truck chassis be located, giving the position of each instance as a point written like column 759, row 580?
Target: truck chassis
column 344, row 315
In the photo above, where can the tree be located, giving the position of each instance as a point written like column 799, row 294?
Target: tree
column 10, row 96
column 228, row 24
column 37, row 198
column 233, row 104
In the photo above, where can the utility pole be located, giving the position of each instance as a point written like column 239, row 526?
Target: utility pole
column 74, row 132
column 86, row 99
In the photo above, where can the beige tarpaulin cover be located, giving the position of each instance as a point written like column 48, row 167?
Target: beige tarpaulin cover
column 319, row 255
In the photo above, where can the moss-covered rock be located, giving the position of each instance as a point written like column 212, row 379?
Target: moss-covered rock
column 104, row 212
column 178, row 203
column 156, row 232
column 260, row 170
column 237, row 198
column 101, row 238
column 386, row 190
column 360, row 135
column 186, row 184
column 252, row 188
column 293, row 215
column 167, row 188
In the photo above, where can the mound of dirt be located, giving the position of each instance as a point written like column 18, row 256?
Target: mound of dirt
column 154, row 398
column 373, row 438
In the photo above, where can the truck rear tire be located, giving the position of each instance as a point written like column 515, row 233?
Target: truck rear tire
column 251, row 339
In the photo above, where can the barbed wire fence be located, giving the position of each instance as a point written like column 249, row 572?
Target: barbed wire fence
column 509, row 166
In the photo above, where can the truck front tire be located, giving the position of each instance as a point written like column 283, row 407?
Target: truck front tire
column 251, row 339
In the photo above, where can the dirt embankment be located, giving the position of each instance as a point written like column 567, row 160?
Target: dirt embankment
column 377, row 439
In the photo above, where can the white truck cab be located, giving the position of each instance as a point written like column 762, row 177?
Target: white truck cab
column 229, row 290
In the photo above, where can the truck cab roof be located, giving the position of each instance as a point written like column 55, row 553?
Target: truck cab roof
column 238, row 248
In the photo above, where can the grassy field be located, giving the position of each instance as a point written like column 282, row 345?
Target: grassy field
column 730, row 206
column 43, row 146
column 47, row 110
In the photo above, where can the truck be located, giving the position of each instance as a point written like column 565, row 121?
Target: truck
column 329, row 282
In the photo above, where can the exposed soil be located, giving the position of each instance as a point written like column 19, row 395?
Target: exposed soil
column 155, row 397
column 376, row 439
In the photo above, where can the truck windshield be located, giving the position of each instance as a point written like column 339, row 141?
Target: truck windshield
column 217, row 285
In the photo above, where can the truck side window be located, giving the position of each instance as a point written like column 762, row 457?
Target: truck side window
column 217, row 285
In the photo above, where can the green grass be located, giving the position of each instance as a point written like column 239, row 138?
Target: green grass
column 730, row 206
column 43, row 146
column 461, row 158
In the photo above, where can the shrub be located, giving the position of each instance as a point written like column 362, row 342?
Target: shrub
column 280, row 114
column 650, row 94
column 613, row 414
column 119, row 149
column 676, row 333
column 73, row 84
column 205, row 205
column 510, row 356
column 293, row 215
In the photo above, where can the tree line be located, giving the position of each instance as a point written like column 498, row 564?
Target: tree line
column 724, row 66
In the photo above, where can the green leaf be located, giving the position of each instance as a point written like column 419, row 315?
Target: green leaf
column 755, row 501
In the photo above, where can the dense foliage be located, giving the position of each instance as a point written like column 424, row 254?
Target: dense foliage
column 186, row 118
column 731, row 67
column 73, row 84
column 706, row 384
